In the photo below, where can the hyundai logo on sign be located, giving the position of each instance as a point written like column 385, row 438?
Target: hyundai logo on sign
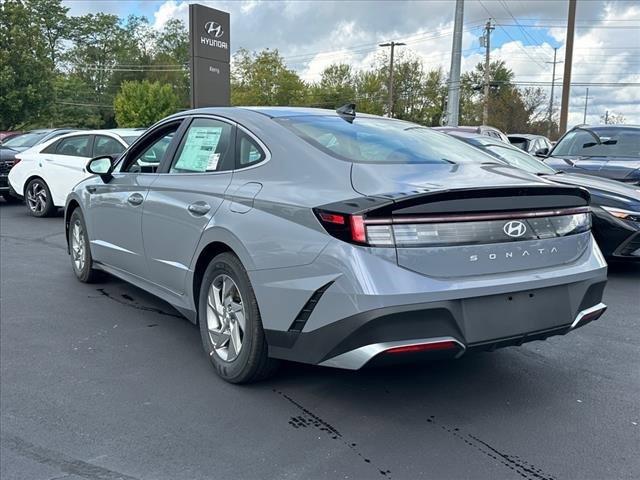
column 214, row 31
column 514, row 228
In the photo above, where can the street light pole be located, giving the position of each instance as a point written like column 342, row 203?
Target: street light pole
column 453, row 102
column 568, row 61
column 487, row 65
column 393, row 45
column 586, row 102
column 553, row 84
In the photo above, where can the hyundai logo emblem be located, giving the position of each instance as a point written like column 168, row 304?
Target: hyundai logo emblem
column 514, row 228
column 214, row 29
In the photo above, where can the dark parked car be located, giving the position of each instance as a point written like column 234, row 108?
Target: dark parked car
column 7, row 134
column 611, row 151
column 19, row 143
column 530, row 143
column 481, row 130
column 615, row 206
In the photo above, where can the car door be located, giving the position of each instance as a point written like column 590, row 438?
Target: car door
column 65, row 167
column 115, row 207
column 185, row 197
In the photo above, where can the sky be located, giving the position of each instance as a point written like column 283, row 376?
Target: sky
column 313, row 34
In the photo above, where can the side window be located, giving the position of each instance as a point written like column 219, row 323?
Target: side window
column 77, row 146
column 148, row 154
column 51, row 148
column 104, row 145
column 250, row 153
column 206, row 147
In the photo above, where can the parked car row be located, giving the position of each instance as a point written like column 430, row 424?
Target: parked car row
column 13, row 145
column 46, row 173
column 615, row 206
column 334, row 238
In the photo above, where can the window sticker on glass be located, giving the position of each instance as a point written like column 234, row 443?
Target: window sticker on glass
column 199, row 152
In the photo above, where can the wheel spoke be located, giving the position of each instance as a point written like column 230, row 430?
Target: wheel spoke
column 219, row 339
column 236, row 341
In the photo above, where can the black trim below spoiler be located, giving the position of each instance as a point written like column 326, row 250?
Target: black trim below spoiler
column 465, row 200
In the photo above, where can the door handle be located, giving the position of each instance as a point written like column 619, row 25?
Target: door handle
column 48, row 159
column 91, row 188
column 135, row 199
column 199, row 208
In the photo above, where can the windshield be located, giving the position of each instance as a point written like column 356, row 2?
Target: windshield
column 521, row 160
column 614, row 143
column 377, row 140
column 25, row 140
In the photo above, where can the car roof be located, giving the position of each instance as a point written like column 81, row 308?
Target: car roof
column 528, row 136
column 608, row 127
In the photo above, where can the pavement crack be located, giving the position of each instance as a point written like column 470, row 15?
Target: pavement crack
column 130, row 302
column 513, row 462
column 310, row 419
column 68, row 465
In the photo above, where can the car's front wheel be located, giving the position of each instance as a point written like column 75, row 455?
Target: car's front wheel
column 80, row 250
column 230, row 323
column 38, row 198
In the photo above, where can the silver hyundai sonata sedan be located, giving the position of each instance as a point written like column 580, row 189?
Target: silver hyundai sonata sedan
column 335, row 238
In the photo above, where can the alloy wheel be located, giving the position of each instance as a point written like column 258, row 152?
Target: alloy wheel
column 226, row 319
column 37, row 197
column 77, row 246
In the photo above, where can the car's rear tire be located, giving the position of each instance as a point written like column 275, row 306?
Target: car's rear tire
column 80, row 249
column 38, row 198
column 230, row 323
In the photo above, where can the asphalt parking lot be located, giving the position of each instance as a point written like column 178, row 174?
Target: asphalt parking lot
column 106, row 382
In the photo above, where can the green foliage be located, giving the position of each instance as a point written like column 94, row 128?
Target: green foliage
column 140, row 104
column 263, row 79
column 57, row 70
column 26, row 70
column 336, row 87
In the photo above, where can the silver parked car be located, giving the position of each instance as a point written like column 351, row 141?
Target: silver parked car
column 335, row 239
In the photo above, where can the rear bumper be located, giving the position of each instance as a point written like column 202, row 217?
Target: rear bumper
column 473, row 324
column 353, row 298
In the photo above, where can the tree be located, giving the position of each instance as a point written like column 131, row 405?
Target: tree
column 140, row 104
column 335, row 88
column 51, row 17
column 171, row 59
column 370, row 92
column 612, row 118
column 263, row 79
column 26, row 70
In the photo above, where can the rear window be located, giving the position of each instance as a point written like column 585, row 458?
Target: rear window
column 613, row 143
column 521, row 143
column 376, row 140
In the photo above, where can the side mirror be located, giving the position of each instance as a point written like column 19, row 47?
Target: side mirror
column 102, row 166
column 542, row 152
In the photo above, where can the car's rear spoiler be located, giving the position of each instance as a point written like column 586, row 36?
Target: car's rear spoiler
column 466, row 200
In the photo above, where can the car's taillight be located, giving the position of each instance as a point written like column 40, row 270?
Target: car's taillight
column 15, row 162
column 454, row 229
column 349, row 228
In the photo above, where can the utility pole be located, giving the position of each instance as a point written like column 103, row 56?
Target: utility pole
column 568, row 61
column 488, row 28
column 606, row 117
column 393, row 45
column 453, row 102
column 586, row 102
column 553, row 84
